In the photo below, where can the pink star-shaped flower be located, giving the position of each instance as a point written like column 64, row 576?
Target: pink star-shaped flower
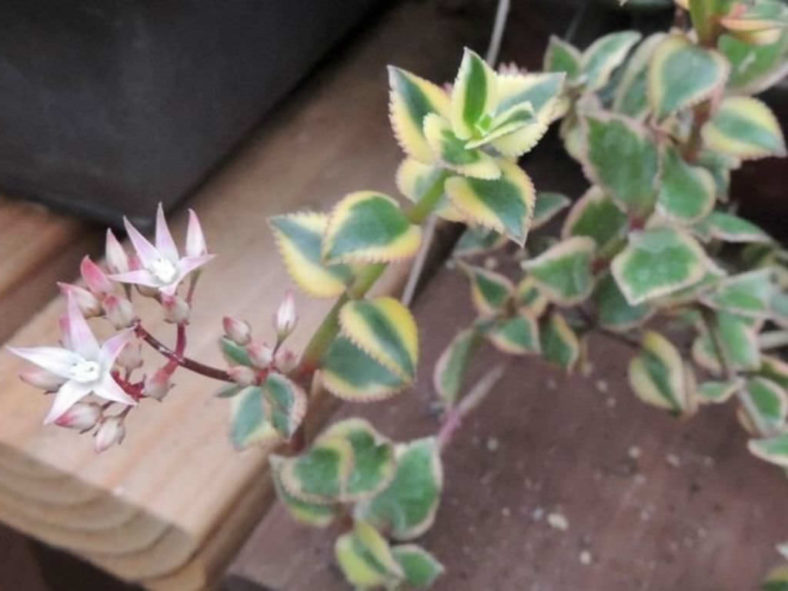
column 162, row 266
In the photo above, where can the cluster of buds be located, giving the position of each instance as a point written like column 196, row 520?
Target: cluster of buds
column 262, row 357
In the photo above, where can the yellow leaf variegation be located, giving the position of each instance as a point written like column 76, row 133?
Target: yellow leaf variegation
column 658, row 375
column 490, row 291
column 385, row 330
column 559, row 343
column 351, row 374
column 299, row 237
column 746, row 128
column 414, row 179
column 411, row 100
column 449, row 372
column 505, row 205
column 369, row 227
column 631, row 96
column 518, row 335
column 473, row 96
column 366, row 559
column 563, row 273
column 603, row 56
column 453, row 153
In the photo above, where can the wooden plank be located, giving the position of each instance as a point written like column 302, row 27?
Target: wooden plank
column 173, row 503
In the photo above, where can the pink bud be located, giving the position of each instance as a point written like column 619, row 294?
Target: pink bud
column 130, row 357
column 285, row 319
column 119, row 311
column 81, row 417
column 240, row 374
column 286, row 361
column 260, row 355
column 115, row 254
column 88, row 304
column 41, row 378
column 111, row 432
column 158, row 385
column 96, row 280
column 176, row 310
column 237, row 331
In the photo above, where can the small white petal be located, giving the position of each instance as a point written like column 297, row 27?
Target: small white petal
column 112, row 348
column 195, row 239
column 80, row 336
column 146, row 252
column 138, row 277
column 67, row 396
column 55, row 359
column 109, row 389
column 164, row 242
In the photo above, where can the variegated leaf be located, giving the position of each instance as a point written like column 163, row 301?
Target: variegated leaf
column 622, row 159
column 613, row 310
column 299, row 237
column 414, row 179
column 411, row 100
column 746, row 294
column 720, row 225
column 657, row 374
column 631, row 96
column 453, row 153
column 596, row 216
column 505, row 205
column 518, row 335
column 351, row 374
column 452, row 365
column 490, row 291
column 746, row 128
column 562, row 56
column 603, row 56
column 315, row 515
column 407, row 507
column 385, row 330
column 547, row 206
column 559, row 343
column 234, row 353
column 473, row 96
column 718, row 391
column 658, row 262
column 775, row 369
column 250, row 423
column 529, row 296
column 738, row 339
column 754, row 68
column 319, row 475
column 681, row 74
column 777, row 578
column 478, row 240
column 420, row 567
column 284, row 403
column 768, row 402
column 366, row 560
column 760, row 23
column 367, row 227
column 687, row 193
column 563, row 273
column 772, row 449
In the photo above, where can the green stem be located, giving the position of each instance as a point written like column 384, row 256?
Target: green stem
column 366, row 278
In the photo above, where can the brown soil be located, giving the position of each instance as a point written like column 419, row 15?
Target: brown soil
column 651, row 502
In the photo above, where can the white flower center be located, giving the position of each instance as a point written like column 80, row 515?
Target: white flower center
column 85, row 371
column 164, row 270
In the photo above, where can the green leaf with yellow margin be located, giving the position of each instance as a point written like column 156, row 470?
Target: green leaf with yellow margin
column 658, row 262
column 452, row 365
column 320, row 474
column 746, row 128
column 411, row 100
column 563, row 273
column 518, row 335
column 604, row 55
column 284, row 403
column 562, row 56
column 528, row 295
column 478, row 240
column 761, row 23
column 312, row 514
column 385, row 330
column 718, row 392
column 681, row 74
column 687, row 193
column 369, row 227
column 559, row 343
column 754, row 68
column 771, row 449
column 366, row 559
column 729, row 227
column 775, row 369
column 407, row 507
column 777, row 579
column 657, row 374
column 490, row 291
column 739, row 341
column 547, row 206
column 349, row 373
column 453, row 152
column 631, row 96
column 613, row 310
column 596, row 216
column 299, row 237
column 414, row 179
column 768, row 400
column 473, row 97
column 621, row 158
column 249, row 422
column 420, row 567
column 746, row 294
column 505, row 205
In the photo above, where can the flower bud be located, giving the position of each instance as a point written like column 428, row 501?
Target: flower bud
column 41, row 378
column 237, row 331
column 119, row 311
column 88, row 304
column 260, row 355
column 285, row 318
column 83, row 416
column 176, row 310
column 286, row 361
column 93, row 276
column 115, row 255
column 111, row 432
column 130, row 357
column 158, row 385
column 240, row 374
